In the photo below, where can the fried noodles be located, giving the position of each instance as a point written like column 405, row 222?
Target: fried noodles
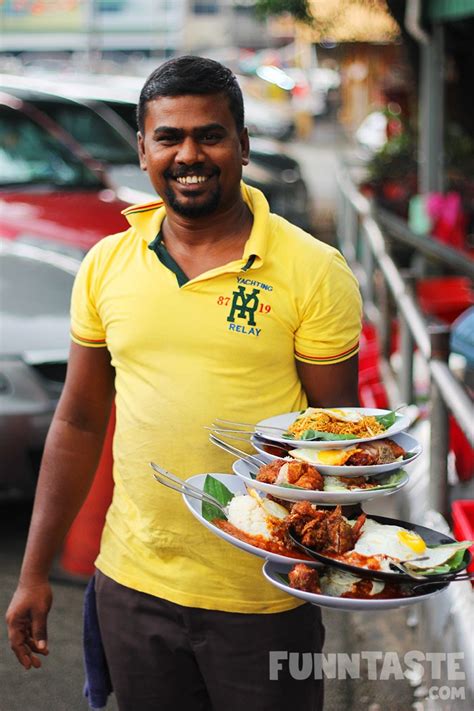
column 321, row 422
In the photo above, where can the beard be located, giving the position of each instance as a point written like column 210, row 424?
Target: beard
column 190, row 210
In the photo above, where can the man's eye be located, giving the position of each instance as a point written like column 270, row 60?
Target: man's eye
column 167, row 140
column 211, row 137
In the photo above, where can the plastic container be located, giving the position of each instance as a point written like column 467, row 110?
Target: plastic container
column 463, row 523
column 445, row 297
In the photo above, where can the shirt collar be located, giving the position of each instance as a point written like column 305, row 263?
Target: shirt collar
column 146, row 219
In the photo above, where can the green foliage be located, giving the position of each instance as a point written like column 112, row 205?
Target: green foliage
column 299, row 9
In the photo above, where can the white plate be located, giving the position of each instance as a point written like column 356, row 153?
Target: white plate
column 284, row 421
column 409, row 444
column 271, row 570
column 237, row 486
column 242, row 469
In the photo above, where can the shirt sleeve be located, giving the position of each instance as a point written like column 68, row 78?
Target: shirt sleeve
column 86, row 325
column 330, row 327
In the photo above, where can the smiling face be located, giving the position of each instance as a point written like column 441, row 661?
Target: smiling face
column 193, row 153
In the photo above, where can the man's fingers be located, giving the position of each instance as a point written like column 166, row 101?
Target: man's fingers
column 39, row 645
column 39, row 635
column 25, row 656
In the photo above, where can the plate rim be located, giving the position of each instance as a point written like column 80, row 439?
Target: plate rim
column 349, row 604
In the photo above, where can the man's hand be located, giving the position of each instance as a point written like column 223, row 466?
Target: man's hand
column 26, row 622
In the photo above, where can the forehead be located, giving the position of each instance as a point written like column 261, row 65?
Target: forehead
column 188, row 111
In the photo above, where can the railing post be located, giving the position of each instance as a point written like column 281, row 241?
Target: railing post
column 407, row 347
column 368, row 265
column 349, row 238
column 439, row 424
column 385, row 319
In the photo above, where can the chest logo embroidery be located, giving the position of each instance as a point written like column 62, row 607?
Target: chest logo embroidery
column 244, row 305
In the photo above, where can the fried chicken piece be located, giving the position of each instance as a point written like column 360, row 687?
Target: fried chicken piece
column 314, row 533
column 382, row 451
column 302, row 577
column 304, row 475
column 269, row 472
column 339, row 533
column 301, row 513
column 296, row 473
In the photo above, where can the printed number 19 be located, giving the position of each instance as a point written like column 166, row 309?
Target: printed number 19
column 265, row 308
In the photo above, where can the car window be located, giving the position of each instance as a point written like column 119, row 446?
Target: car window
column 100, row 139
column 30, row 155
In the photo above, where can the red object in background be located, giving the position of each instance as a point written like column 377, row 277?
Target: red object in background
column 372, row 391
column 462, row 512
column 445, row 297
column 463, row 452
column 449, row 219
column 82, row 543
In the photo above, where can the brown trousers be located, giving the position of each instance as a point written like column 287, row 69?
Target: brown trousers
column 166, row 657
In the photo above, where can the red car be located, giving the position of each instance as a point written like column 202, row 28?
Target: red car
column 54, row 205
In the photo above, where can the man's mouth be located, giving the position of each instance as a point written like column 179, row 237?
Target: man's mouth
column 192, row 179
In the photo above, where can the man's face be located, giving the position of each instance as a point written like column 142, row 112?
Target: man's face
column 193, row 153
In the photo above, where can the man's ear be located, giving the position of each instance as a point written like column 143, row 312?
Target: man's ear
column 141, row 150
column 245, row 146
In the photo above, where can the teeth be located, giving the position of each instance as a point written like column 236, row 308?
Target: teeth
column 190, row 179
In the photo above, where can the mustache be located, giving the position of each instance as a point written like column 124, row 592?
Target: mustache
column 185, row 170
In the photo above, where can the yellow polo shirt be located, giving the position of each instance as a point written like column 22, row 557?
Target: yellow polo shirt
column 220, row 345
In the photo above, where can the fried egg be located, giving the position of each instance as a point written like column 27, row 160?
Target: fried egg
column 393, row 541
column 329, row 457
column 403, row 545
column 336, row 414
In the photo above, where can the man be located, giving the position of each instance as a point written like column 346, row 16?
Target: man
column 208, row 306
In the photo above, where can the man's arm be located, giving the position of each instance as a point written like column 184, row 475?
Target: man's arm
column 70, row 458
column 330, row 385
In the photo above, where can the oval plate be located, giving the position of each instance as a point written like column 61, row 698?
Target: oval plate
column 409, row 444
column 272, row 572
column 244, row 471
column 431, row 538
column 402, row 422
column 237, row 486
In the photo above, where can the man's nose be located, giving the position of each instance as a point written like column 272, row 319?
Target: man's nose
column 190, row 151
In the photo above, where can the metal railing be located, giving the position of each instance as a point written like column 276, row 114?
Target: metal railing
column 388, row 291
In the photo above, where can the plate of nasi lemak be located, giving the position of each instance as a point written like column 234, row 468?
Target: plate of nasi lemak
column 293, row 480
column 321, row 428
column 380, row 456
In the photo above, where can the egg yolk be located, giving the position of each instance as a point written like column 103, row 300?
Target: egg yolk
column 334, row 457
column 412, row 540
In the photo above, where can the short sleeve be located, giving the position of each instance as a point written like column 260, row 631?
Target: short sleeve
column 331, row 323
column 86, row 326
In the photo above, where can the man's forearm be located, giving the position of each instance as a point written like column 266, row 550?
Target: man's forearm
column 69, row 463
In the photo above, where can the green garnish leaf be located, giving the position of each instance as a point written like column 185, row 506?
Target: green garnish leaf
column 393, row 480
column 315, row 435
column 288, row 435
column 220, row 492
column 387, row 420
column 408, row 455
column 283, row 578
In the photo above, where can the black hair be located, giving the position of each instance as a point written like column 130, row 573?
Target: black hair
column 192, row 75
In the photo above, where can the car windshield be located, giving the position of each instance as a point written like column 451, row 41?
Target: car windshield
column 100, row 139
column 29, row 155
